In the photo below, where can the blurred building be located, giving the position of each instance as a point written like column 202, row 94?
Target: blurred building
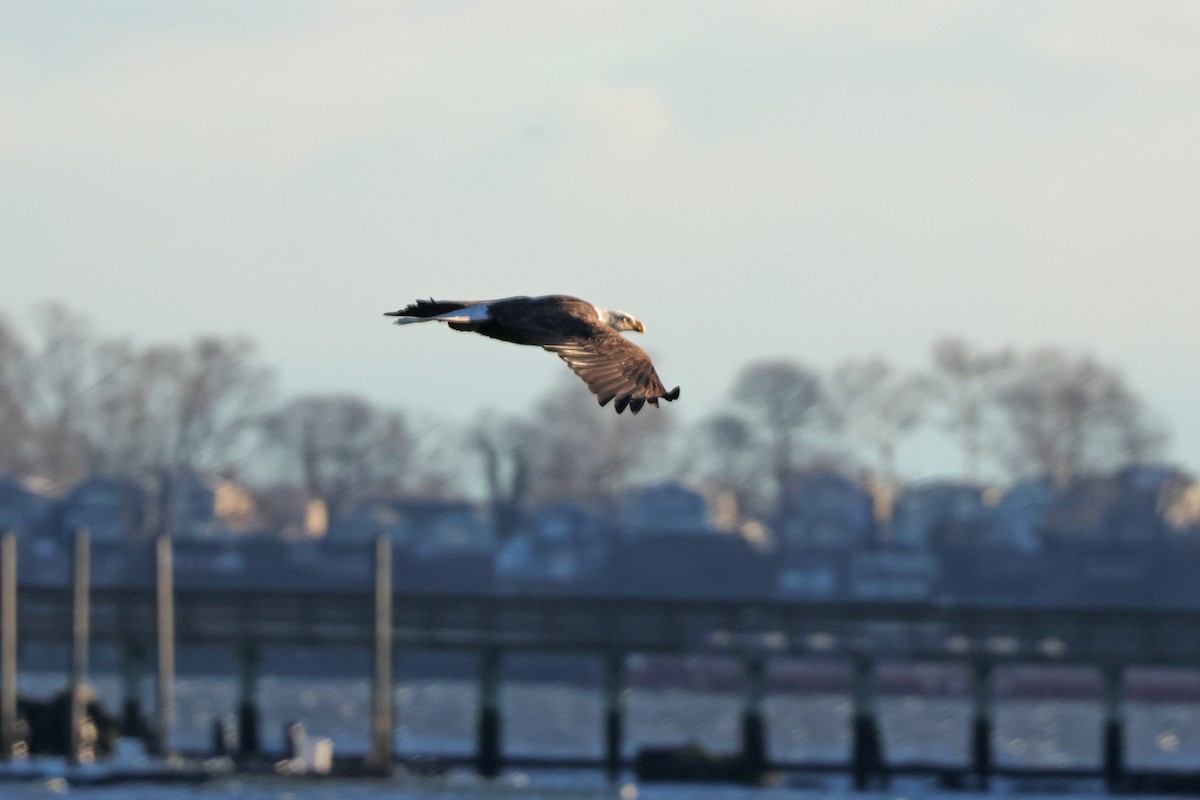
column 829, row 519
column 112, row 509
column 28, row 506
column 1019, row 519
column 938, row 514
column 204, row 506
column 827, row 511
column 457, row 529
column 684, row 564
column 559, row 547
column 664, row 507
column 893, row 574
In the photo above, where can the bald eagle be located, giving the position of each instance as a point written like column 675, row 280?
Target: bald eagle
column 584, row 335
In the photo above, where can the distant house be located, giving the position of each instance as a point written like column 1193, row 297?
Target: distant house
column 663, row 507
column 447, row 546
column 682, row 564
column 203, row 506
column 1128, row 507
column 428, row 526
column 459, row 531
column 112, row 509
column 1150, row 477
column 369, row 518
column 563, row 521
column 27, row 507
column 828, row 511
column 1181, row 507
column 1167, row 502
column 284, row 511
column 1019, row 519
column 938, row 514
column 893, row 575
column 815, row 574
column 1079, row 510
column 262, row 561
column 560, row 546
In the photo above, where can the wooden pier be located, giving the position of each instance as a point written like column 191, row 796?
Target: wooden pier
column 159, row 616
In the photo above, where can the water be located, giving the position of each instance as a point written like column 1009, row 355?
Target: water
column 539, row 787
column 559, row 719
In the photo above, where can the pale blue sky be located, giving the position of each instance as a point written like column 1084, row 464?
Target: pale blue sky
column 752, row 179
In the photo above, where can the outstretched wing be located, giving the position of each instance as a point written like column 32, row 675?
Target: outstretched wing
column 614, row 368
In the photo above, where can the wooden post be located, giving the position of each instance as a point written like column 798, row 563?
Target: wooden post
column 80, row 614
column 133, row 665
column 164, row 695
column 754, row 737
column 247, row 716
column 981, row 724
column 866, row 747
column 382, row 717
column 1114, row 728
column 220, row 739
column 488, row 759
column 614, row 712
column 8, row 645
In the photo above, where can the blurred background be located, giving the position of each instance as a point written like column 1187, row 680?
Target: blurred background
column 925, row 273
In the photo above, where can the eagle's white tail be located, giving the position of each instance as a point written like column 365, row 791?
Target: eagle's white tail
column 478, row 313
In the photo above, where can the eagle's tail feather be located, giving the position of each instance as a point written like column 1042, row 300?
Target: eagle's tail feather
column 452, row 311
column 430, row 308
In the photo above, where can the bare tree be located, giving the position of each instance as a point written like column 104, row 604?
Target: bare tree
column 965, row 383
column 14, row 399
column 725, row 451
column 1069, row 415
column 223, row 395
column 587, row 454
column 505, row 446
column 877, row 405
column 117, row 417
column 63, row 370
column 787, row 399
column 340, row 445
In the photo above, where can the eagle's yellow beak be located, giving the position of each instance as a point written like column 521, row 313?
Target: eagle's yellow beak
column 638, row 326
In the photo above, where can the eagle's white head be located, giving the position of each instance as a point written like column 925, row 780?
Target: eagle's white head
column 620, row 321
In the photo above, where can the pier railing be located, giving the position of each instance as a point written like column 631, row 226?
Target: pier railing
column 156, row 617
column 901, row 631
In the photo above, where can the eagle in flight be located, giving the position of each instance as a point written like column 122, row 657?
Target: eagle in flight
column 584, row 335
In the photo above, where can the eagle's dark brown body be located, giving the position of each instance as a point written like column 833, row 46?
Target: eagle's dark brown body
column 585, row 336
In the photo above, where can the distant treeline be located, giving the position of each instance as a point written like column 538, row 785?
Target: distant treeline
column 74, row 402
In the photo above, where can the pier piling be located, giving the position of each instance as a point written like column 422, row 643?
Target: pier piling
column 219, row 736
column 866, row 758
column 981, row 724
column 133, row 666
column 248, row 716
column 80, row 618
column 1114, row 728
column 382, row 712
column 754, row 736
column 8, row 645
column 54, row 614
column 164, row 695
column 614, row 713
column 488, row 759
